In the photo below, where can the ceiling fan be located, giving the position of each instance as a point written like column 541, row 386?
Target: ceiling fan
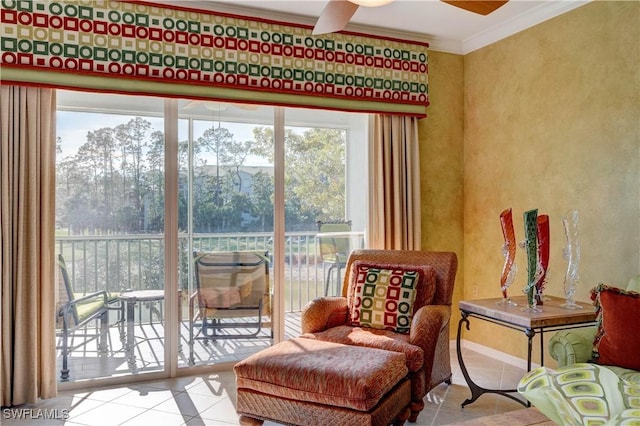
column 337, row 13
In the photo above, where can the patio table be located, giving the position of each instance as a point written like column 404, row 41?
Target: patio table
column 130, row 298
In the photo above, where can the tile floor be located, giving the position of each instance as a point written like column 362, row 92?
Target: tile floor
column 86, row 363
column 209, row 400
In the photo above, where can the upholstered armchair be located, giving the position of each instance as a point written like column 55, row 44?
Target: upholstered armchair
column 424, row 341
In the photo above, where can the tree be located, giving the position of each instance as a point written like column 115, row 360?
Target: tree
column 155, row 180
column 133, row 142
column 96, row 159
column 320, row 162
column 262, row 200
column 216, row 140
column 314, row 160
column 115, row 181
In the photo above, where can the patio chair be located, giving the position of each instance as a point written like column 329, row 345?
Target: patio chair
column 76, row 310
column 229, row 285
column 334, row 250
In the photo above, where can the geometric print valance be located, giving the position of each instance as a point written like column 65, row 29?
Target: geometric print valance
column 115, row 44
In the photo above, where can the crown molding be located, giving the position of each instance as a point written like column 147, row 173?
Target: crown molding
column 435, row 43
column 531, row 18
column 238, row 9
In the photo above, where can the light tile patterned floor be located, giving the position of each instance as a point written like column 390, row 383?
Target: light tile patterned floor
column 209, row 400
column 86, row 363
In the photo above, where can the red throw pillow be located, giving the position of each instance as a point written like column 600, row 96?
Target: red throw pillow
column 617, row 341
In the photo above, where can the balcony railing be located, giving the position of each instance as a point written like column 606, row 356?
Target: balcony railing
column 122, row 262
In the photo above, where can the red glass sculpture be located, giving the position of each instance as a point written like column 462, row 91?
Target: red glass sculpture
column 509, row 268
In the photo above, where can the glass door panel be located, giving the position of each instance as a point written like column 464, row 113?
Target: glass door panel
column 325, row 185
column 109, row 235
column 225, row 231
column 326, row 181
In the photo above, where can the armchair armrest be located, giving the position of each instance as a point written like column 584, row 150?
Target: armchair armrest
column 83, row 309
column 192, row 301
column 427, row 324
column 66, row 308
column 572, row 346
column 323, row 313
column 98, row 294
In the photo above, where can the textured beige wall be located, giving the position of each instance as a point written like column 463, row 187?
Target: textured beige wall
column 551, row 121
column 441, row 139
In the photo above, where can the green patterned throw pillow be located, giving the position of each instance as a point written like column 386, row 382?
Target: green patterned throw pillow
column 383, row 298
column 582, row 394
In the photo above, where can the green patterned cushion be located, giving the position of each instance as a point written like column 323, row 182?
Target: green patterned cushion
column 582, row 394
column 87, row 308
column 383, row 297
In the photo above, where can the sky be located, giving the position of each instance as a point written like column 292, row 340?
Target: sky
column 81, row 112
column 73, row 127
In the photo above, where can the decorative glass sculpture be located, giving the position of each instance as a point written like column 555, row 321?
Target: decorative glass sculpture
column 510, row 268
column 543, row 256
column 572, row 254
column 531, row 245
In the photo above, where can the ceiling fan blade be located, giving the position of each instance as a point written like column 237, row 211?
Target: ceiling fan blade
column 477, row 6
column 334, row 16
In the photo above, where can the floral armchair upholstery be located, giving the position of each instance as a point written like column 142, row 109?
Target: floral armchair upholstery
column 426, row 341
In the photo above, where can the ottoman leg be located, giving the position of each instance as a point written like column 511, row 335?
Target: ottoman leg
column 250, row 421
column 403, row 416
column 416, row 408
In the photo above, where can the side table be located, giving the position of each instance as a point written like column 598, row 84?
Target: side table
column 552, row 318
column 130, row 298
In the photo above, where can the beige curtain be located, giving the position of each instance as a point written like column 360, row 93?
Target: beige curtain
column 394, row 186
column 27, row 216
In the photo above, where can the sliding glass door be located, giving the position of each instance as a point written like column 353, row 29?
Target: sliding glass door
column 109, row 235
column 195, row 225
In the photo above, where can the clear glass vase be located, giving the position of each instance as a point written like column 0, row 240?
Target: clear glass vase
column 571, row 253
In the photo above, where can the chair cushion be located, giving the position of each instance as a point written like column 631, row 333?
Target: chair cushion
column 89, row 307
column 617, row 340
column 322, row 372
column 382, row 296
column 219, row 297
column 373, row 338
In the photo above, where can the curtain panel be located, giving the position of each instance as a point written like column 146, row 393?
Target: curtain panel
column 394, row 186
column 27, row 217
column 136, row 47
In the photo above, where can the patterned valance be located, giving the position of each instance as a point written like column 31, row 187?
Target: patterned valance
column 136, row 47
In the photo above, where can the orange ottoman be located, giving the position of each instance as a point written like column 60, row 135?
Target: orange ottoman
column 310, row 382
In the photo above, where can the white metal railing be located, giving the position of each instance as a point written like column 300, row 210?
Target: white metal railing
column 119, row 262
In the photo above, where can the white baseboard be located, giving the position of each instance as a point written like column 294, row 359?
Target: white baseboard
column 492, row 353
